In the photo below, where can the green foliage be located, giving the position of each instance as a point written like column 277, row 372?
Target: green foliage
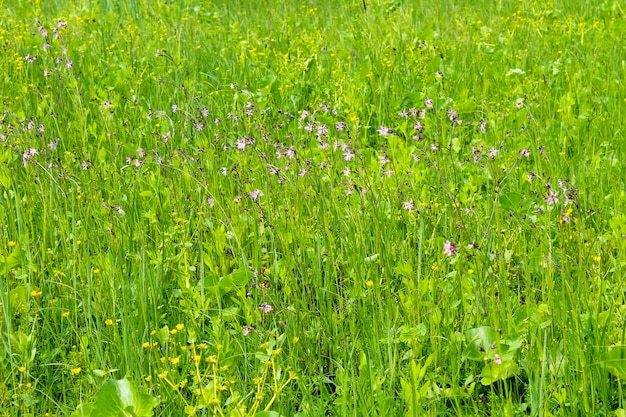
column 307, row 208
column 118, row 398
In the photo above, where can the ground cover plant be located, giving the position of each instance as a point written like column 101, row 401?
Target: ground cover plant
column 308, row 208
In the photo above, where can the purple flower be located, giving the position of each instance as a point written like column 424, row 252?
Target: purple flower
column 408, row 205
column 525, row 152
column 247, row 330
column 174, row 108
column 348, row 155
column 450, row 248
column 497, row 359
column 384, row 131
column 254, row 195
column 321, row 130
column 266, row 308
column 552, row 197
column 340, row 126
column 429, row 103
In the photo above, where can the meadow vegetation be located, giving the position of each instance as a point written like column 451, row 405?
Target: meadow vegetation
column 306, row 208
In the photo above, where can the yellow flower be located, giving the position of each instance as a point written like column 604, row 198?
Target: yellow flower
column 12, row 243
column 145, row 345
column 76, row 371
column 65, row 314
column 108, row 322
column 96, row 271
column 370, row 283
column 148, row 378
column 180, row 326
column 35, row 293
column 22, row 369
column 173, row 331
column 175, row 360
column 597, row 258
column 470, row 271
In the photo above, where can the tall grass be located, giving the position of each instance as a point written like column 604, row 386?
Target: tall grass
column 308, row 208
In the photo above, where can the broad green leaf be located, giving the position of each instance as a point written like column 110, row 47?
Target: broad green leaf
column 481, row 338
column 83, row 410
column 493, row 372
column 614, row 361
column 119, row 398
column 267, row 414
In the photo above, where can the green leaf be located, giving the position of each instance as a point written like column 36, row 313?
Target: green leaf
column 493, row 372
column 511, row 201
column 119, row 398
column 614, row 361
column 83, row 410
column 481, row 338
column 267, row 414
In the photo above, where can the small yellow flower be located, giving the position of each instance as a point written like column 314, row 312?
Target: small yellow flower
column 175, row 360
column 12, row 243
column 173, row 331
column 370, row 283
column 76, row 371
column 35, row 293
column 96, row 271
column 145, row 345
column 597, row 258
column 108, row 322
column 22, row 369
column 148, row 378
column 65, row 314
column 434, row 267
column 162, row 375
column 180, row 327
column 470, row 271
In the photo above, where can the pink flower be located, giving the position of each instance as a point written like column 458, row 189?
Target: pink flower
column 247, row 330
column 266, row 308
column 384, row 131
column 450, row 248
column 254, row 195
column 497, row 359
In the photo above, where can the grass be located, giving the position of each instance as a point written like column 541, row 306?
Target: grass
column 242, row 207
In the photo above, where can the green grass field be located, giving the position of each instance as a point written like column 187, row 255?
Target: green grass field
column 312, row 208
